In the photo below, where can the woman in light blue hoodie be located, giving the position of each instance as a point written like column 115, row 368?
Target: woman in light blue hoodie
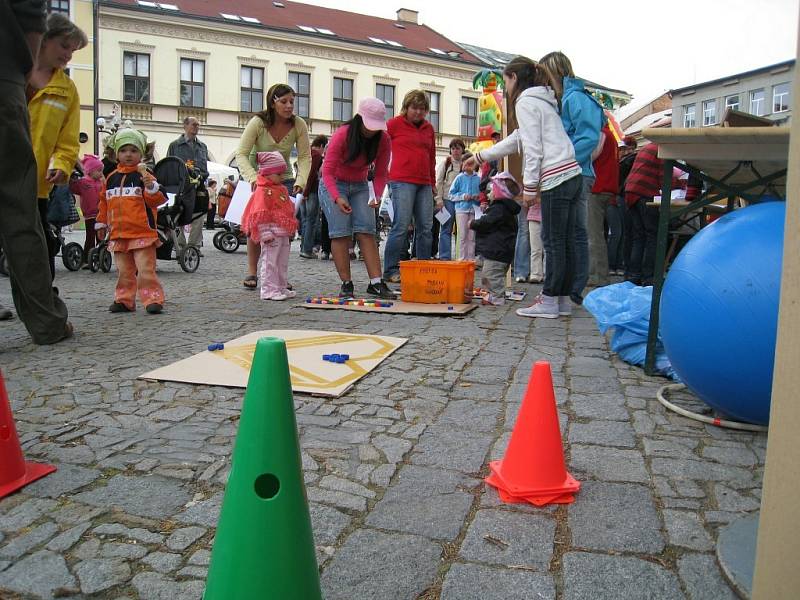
column 583, row 119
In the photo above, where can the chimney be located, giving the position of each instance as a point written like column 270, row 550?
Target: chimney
column 406, row 15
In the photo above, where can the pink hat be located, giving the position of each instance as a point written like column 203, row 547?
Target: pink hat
column 373, row 113
column 91, row 163
column 504, row 185
column 270, row 163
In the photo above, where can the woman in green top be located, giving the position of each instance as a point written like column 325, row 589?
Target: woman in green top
column 275, row 129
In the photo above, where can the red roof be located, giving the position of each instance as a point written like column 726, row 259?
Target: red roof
column 285, row 15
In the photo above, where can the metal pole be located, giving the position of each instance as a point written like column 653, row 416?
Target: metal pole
column 95, row 74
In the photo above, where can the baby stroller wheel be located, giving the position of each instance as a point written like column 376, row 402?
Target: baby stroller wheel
column 189, row 258
column 72, row 256
column 217, row 237
column 94, row 260
column 105, row 260
column 229, row 242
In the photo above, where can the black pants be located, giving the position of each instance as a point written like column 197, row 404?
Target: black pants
column 644, row 229
column 49, row 236
column 325, row 240
column 212, row 212
column 21, row 232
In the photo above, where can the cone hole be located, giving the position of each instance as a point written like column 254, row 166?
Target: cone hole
column 5, row 433
column 267, row 486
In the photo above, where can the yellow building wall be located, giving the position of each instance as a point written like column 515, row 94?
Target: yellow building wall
column 82, row 70
column 225, row 49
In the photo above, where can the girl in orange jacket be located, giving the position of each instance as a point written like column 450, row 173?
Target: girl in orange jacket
column 128, row 210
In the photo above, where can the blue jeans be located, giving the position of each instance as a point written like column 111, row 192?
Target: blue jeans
column 409, row 200
column 446, row 232
column 614, row 216
column 361, row 220
column 522, row 248
column 582, row 238
column 559, row 216
column 310, row 222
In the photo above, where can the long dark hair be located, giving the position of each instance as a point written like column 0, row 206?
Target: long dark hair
column 279, row 90
column 358, row 143
column 529, row 74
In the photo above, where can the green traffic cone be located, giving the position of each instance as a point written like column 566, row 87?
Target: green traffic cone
column 264, row 547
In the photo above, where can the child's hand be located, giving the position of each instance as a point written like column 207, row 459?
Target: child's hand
column 344, row 205
column 149, row 179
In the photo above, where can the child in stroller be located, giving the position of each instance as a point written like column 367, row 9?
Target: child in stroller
column 176, row 182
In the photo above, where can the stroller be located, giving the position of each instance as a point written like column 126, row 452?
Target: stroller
column 175, row 178
column 230, row 238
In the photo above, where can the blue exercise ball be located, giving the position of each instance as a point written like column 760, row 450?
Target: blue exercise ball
column 719, row 311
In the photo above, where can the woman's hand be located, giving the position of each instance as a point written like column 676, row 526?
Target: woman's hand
column 56, row 177
column 532, row 199
column 344, row 205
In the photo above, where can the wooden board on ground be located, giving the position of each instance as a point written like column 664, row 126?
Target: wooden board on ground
column 310, row 374
column 399, row 307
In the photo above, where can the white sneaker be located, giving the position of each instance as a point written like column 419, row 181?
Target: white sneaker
column 543, row 306
column 564, row 306
column 278, row 296
column 289, row 293
column 521, row 279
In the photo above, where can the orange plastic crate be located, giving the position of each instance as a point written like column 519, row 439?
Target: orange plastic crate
column 437, row 281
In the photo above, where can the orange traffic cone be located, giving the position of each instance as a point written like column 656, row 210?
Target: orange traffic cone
column 15, row 473
column 533, row 469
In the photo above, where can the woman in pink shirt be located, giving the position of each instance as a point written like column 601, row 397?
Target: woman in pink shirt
column 344, row 192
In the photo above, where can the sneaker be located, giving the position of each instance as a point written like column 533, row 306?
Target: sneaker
column 289, row 293
column 381, row 290
column 154, row 308
column 564, row 306
column 521, row 279
column 119, row 307
column 347, row 290
column 279, row 296
column 307, row 255
column 491, row 300
column 533, row 279
column 393, row 278
column 543, row 306
column 325, row 256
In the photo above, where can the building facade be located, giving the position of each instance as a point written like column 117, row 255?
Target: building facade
column 764, row 92
column 162, row 62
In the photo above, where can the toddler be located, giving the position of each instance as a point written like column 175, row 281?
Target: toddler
column 89, row 187
column 464, row 192
column 269, row 219
column 128, row 209
column 497, row 235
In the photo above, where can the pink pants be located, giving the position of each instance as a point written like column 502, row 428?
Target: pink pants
column 466, row 248
column 136, row 271
column 274, row 269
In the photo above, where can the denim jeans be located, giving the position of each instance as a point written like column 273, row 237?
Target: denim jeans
column 446, row 233
column 559, row 215
column 310, row 222
column 522, row 247
column 598, row 247
column 582, row 238
column 362, row 217
column 644, row 228
column 615, row 217
column 409, row 200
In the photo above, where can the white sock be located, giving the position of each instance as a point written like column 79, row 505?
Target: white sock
column 375, row 280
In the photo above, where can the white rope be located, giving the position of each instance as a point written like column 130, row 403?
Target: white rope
column 702, row 418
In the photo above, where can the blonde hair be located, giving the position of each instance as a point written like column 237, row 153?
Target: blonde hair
column 415, row 98
column 58, row 25
column 557, row 66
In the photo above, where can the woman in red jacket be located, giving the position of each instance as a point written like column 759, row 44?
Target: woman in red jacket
column 412, row 180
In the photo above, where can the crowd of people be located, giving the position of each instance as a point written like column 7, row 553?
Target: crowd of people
column 571, row 222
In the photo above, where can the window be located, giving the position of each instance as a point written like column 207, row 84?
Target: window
column 732, row 102
column 780, row 98
column 433, row 115
column 385, row 93
column 301, row 84
column 469, row 116
column 58, row 6
column 342, row 99
column 688, row 115
column 252, row 89
column 709, row 112
column 136, row 77
column 757, row 103
column 193, row 76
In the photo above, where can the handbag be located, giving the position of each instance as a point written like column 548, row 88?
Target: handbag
column 61, row 209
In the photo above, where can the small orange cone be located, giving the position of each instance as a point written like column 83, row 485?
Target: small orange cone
column 533, row 469
column 15, row 473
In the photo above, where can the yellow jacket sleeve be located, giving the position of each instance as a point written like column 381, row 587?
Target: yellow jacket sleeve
column 303, row 152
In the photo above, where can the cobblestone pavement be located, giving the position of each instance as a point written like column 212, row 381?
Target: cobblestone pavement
column 393, row 468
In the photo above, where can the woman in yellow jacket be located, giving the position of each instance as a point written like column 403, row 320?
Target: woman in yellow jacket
column 55, row 113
